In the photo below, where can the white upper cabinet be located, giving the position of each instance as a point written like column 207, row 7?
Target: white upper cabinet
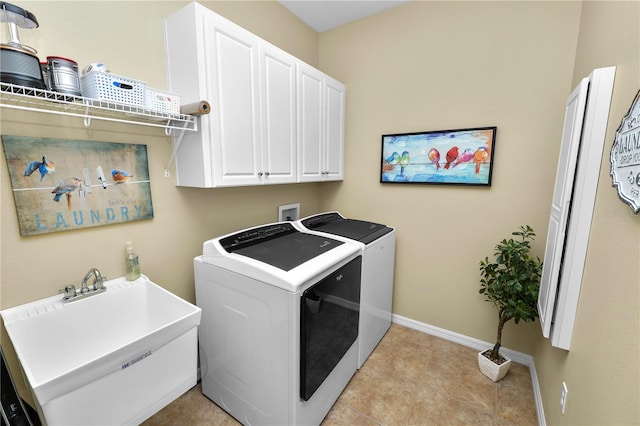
column 321, row 102
column 310, row 126
column 334, row 127
column 250, row 137
column 232, row 79
column 278, row 86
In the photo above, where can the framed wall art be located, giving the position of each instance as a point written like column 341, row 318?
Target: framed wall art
column 458, row 157
column 61, row 184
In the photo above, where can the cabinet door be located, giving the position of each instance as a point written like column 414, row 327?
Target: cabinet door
column 310, row 124
column 574, row 117
column 582, row 205
column 278, row 90
column 573, row 204
column 232, row 73
column 334, row 128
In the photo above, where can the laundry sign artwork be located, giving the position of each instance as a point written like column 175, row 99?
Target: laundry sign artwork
column 462, row 156
column 625, row 157
column 61, row 185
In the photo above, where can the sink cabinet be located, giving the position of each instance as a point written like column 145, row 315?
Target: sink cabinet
column 261, row 128
column 114, row 358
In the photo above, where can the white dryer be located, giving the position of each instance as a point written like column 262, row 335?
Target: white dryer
column 378, row 247
column 280, row 317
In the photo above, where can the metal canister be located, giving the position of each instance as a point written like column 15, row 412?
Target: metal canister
column 20, row 66
column 63, row 75
column 44, row 67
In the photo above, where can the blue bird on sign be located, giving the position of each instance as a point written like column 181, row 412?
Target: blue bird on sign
column 45, row 167
column 66, row 187
column 32, row 167
column 120, row 176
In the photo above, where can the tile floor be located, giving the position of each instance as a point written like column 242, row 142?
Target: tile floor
column 411, row 378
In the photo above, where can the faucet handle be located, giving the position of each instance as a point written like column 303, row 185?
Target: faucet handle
column 70, row 291
column 99, row 284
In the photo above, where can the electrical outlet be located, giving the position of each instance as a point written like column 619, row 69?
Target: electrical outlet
column 563, row 397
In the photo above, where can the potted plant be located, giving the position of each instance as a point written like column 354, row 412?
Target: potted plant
column 511, row 282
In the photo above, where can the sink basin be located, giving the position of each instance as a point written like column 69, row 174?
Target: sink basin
column 113, row 358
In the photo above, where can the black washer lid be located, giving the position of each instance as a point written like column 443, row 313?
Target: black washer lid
column 359, row 230
column 279, row 245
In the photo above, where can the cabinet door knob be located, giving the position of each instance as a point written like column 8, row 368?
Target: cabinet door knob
column 259, row 173
column 266, row 174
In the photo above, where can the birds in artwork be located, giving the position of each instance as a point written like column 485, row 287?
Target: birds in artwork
column 452, row 155
column 393, row 159
column 434, row 157
column 455, row 157
column 404, row 161
column 32, row 167
column 390, row 162
column 467, row 155
column 481, row 155
column 45, row 167
column 66, row 187
column 120, row 176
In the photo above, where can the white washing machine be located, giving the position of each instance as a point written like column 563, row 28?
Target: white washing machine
column 280, row 317
column 378, row 246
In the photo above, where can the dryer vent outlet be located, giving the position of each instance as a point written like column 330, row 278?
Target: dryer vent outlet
column 289, row 212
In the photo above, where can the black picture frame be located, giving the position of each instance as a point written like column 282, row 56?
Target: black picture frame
column 441, row 157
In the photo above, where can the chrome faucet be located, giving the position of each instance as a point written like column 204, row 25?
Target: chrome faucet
column 86, row 289
column 98, row 281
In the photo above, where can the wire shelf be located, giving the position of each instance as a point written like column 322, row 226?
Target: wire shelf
column 45, row 101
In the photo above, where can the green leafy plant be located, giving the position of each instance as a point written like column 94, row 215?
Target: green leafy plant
column 512, row 282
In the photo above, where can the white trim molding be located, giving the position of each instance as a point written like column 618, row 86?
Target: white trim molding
column 461, row 339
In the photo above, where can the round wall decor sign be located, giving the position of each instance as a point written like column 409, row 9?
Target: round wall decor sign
column 625, row 157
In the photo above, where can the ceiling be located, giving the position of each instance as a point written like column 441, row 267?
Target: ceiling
column 323, row 15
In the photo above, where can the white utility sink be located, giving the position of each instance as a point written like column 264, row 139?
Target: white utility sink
column 113, row 358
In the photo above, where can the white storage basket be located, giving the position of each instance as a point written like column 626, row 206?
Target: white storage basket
column 111, row 87
column 159, row 101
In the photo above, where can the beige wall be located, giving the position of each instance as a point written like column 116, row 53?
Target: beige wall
column 602, row 370
column 420, row 66
column 449, row 65
column 35, row 267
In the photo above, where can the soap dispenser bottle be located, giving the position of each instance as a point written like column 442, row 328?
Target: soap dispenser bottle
column 133, row 265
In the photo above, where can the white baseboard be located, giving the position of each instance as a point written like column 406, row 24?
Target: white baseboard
column 519, row 357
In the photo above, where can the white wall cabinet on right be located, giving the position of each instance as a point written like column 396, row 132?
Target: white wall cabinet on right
column 321, row 103
column 585, row 125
